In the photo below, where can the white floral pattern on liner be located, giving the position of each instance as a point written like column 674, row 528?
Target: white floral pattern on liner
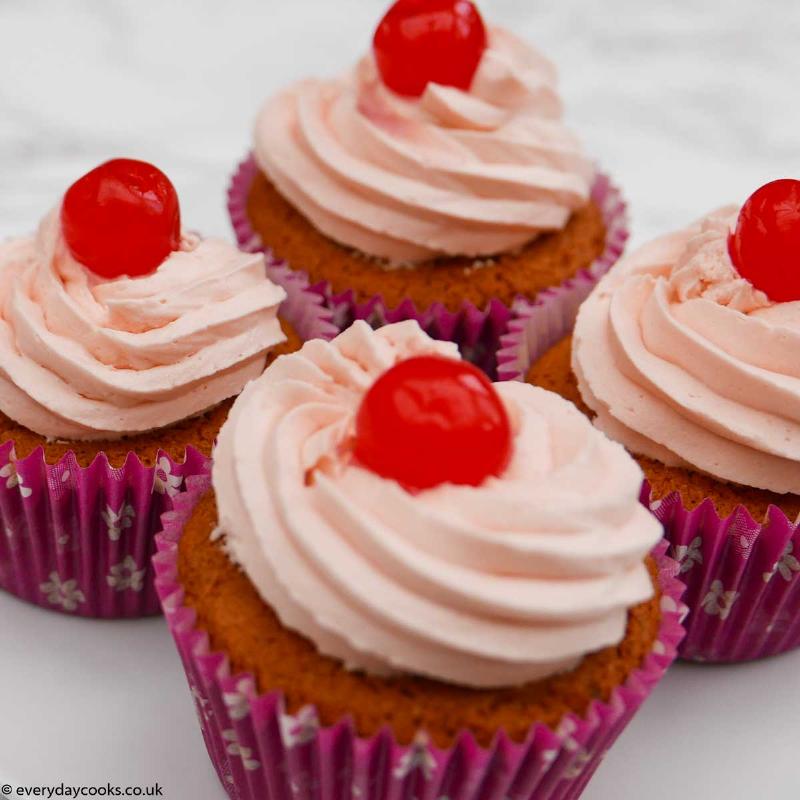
column 117, row 521
column 118, row 505
column 63, row 593
column 417, row 757
column 567, row 730
column 234, row 748
column 126, row 575
column 718, row 602
column 202, row 706
column 300, row 728
column 12, row 477
column 687, row 555
column 238, row 701
column 164, row 482
column 786, row 565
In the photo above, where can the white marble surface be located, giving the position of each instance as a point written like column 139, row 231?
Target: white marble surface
column 688, row 104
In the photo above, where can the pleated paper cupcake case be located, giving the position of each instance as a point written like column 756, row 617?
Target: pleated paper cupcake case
column 478, row 332
column 81, row 540
column 539, row 325
column 742, row 579
column 261, row 751
column 304, row 309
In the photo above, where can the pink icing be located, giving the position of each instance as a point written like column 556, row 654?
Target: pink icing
column 452, row 173
column 686, row 362
column 85, row 359
column 486, row 586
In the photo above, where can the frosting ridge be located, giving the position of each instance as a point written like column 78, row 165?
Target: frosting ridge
column 484, row 586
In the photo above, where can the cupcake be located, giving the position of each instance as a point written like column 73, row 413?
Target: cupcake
column 408, row 580
column 123, row 339
column 435, row 181
column 685, row 353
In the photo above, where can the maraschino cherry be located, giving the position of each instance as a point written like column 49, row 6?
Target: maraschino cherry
column 765, row 247
column 422, row 41
column 431, row 420
column 122, row 218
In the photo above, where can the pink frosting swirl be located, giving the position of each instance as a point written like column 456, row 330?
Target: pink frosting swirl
column 483, row 586
column 453, row 173
column 686, row 362
column 83, row 359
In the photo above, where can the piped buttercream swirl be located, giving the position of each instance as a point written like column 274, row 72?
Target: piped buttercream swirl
column 82, row 358
column 684, row 361
column 484, row 586
column 452, row 173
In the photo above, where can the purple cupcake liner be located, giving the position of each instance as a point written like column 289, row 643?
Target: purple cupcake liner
column 261, row 751
column 81, row 540
column 304, row 309
column 742, row 579
column 542, row 323
column 477, row 332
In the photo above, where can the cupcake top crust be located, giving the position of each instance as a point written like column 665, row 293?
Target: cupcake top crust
column 453, row 172
column 481, row 585
column 685, row 361
column 88, row 356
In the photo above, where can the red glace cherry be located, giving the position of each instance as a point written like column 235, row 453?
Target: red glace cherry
column 419, row 41
column 122, row 218
column 430, row 420
column 765, row 247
